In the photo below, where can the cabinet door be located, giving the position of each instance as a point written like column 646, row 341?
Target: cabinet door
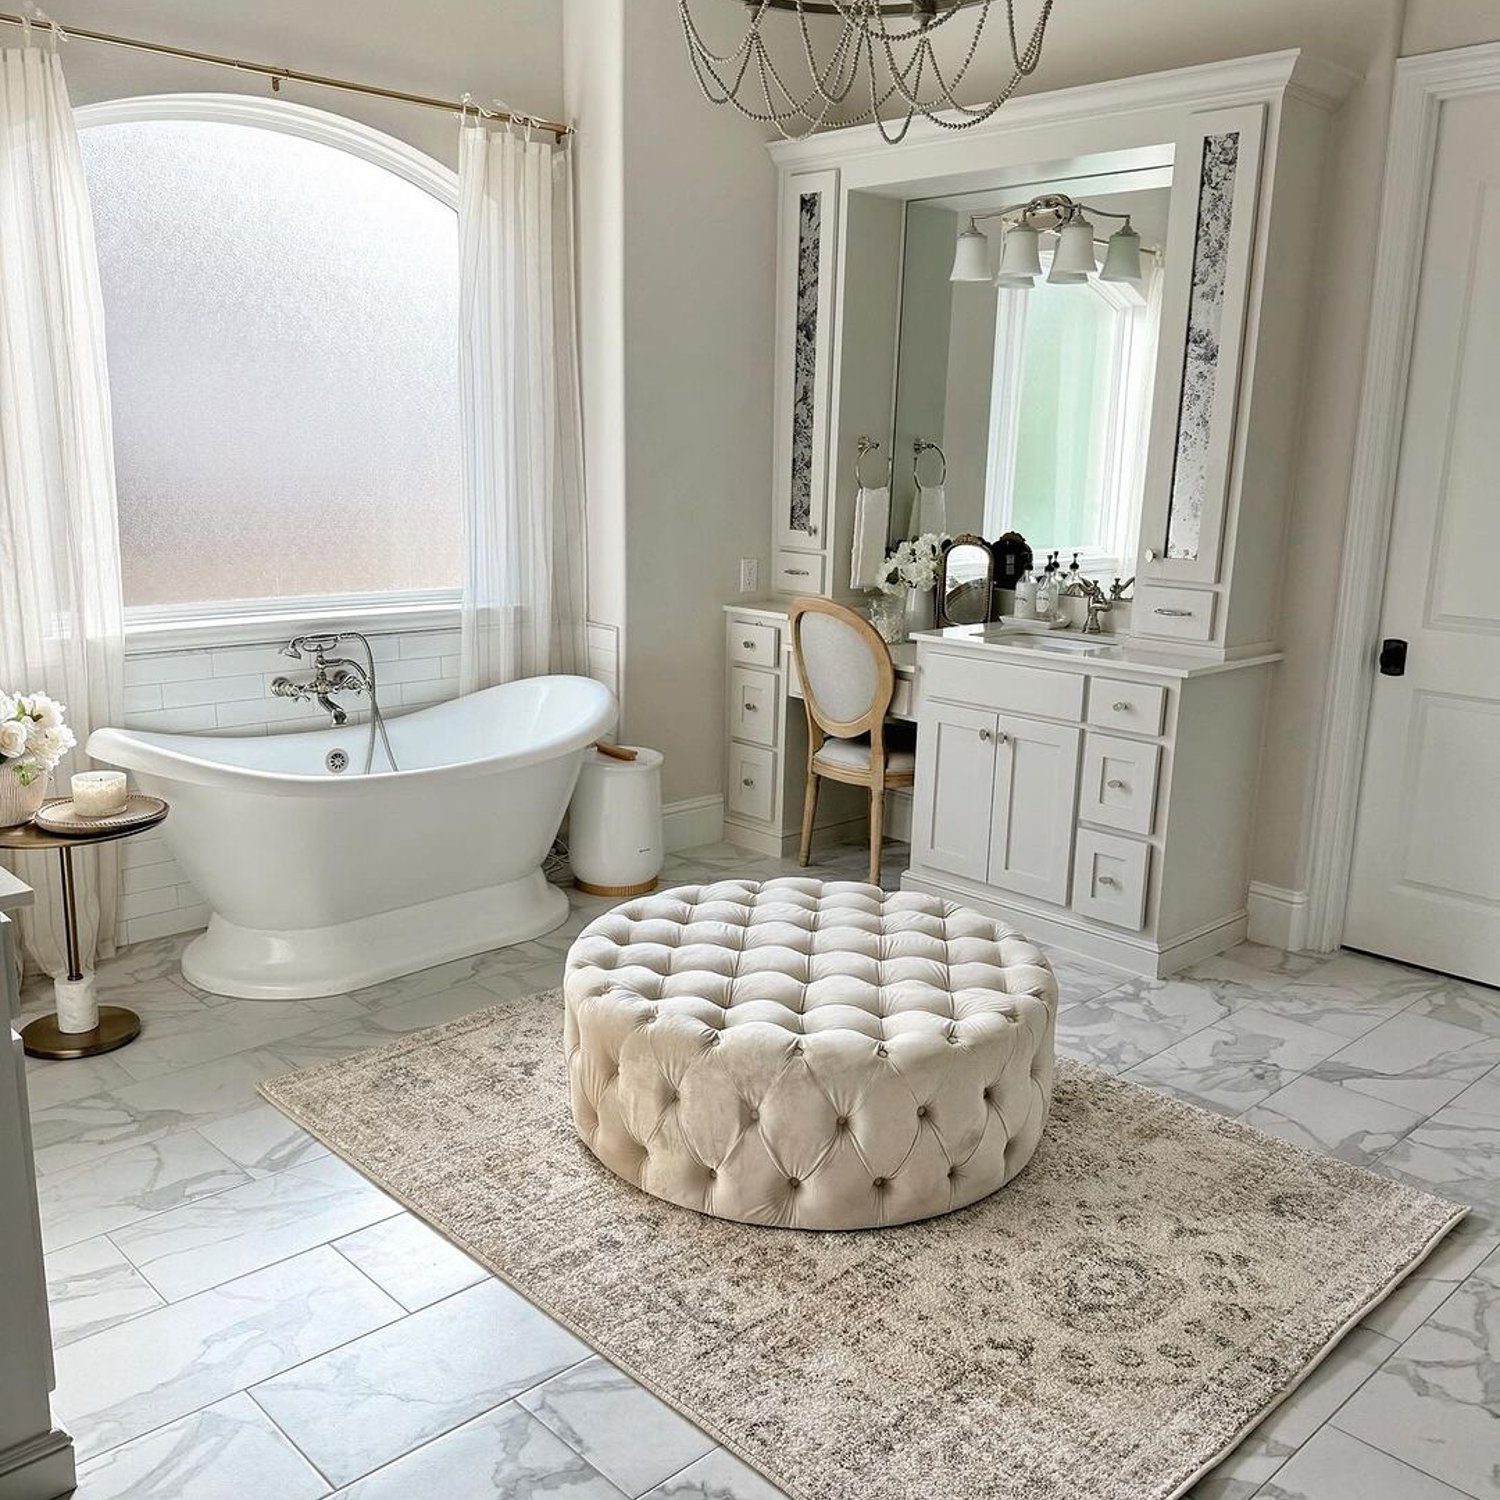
column 804, row 354
column 1034, row 801
column 955, row 784
column 1210, row 245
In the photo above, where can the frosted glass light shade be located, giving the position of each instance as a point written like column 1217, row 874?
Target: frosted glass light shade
column 1019, row 256
column 971, row 256
column 1122, row 257
column 1073, row 261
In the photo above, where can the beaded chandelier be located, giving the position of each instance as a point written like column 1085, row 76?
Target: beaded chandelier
column 882, row 65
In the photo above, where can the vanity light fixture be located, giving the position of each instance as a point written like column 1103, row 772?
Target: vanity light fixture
column 896, row 46
column 1073, row 260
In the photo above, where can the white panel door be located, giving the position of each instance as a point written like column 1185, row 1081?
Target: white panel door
column 1036, row 794
column 955, row 782
column 1426, row 880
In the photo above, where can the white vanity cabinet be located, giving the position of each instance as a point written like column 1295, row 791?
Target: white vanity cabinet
column 1101, row 800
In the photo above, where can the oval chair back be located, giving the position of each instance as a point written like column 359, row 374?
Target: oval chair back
column 848, row 680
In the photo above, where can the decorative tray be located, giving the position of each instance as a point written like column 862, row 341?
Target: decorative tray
column 57, row 816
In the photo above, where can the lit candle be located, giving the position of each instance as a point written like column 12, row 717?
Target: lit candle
column 97, row 794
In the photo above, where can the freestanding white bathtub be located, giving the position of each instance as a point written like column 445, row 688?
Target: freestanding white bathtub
column 322, row 881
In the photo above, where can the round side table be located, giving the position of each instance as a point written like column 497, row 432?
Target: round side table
column 116, row 1025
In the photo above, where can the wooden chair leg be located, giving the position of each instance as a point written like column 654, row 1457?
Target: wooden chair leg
column 809, row 812
column 877, row 830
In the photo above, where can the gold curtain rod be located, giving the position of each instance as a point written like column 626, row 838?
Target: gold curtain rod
column 279, row 75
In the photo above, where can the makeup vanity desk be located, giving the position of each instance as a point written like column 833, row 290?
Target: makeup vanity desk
column 1096, row 792
column 767, row 732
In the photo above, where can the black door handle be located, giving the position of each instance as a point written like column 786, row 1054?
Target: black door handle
column 1393, row 658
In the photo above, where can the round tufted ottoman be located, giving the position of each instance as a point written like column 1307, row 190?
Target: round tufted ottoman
column 809, row 1054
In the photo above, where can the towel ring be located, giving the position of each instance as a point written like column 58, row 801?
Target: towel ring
column 918, row 448
column 866, row 447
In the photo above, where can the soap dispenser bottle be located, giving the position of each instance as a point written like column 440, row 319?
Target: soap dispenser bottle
column 1047, row 590
column 1025, row 605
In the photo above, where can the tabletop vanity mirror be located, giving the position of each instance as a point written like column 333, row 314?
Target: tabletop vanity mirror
column 1027, row 351
column 966, row 582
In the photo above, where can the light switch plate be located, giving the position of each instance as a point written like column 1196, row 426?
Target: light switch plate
column 749, row 574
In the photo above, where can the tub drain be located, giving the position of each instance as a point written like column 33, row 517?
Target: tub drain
column 338, row 760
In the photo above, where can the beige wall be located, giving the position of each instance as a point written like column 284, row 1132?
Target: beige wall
column 510, row 51
column 677, row 377
column 1433, row 25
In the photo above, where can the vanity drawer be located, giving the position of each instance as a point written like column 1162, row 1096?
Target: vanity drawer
column 753, row 701
column 1119, row 782
column 1182, row 614
column 1002, row 685
column 1130, row 707
column 1109, row 878
column 797, row 572
column 753, row 644
column 752, row 783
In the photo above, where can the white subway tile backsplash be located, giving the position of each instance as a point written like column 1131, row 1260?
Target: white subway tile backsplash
column 266, row 710
column 164, row 923
column 430, row 643
column 165, row 666
column 235, row 661
column 166, row 875
column 212, row 690
column 409, row 669
column 146, row 903
column 192, row 720
column 144, row 849
column 142, row 698
column 420, row 694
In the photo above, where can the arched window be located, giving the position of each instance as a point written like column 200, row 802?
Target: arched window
column 281, row 310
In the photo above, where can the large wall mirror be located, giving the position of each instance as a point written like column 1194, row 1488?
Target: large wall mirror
column 1038, row 395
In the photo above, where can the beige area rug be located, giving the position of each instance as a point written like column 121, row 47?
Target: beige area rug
column 1105, row 1328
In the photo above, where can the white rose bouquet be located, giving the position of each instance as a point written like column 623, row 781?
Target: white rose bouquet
column 33, row 736
column 913, row 565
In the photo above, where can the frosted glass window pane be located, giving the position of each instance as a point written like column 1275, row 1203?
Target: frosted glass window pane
column 282, row 323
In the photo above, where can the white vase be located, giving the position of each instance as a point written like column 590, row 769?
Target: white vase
column 921, row 609
column 18, row 804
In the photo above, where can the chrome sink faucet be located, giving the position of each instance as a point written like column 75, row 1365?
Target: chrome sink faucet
column 1099, row 603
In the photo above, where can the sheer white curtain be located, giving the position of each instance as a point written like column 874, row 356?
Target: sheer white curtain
column 61, row 628
column 524, row 590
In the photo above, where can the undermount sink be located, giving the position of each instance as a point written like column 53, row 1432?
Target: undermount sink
column 1075, row 645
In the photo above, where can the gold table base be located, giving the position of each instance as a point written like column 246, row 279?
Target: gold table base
column 43, row 1038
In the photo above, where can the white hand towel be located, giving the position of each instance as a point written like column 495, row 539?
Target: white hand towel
column 872, row 520
column 929, row 511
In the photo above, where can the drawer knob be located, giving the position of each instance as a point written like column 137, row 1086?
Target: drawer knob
column 748, row 645
column 747, row 781
column 750, row 707
column 797, row 573
column 1110, row 881
column 1176, row 614
column 1115, row 784
column 986, row 735
column 1120, row 708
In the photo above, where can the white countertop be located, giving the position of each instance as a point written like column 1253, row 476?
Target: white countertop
column 14, row 893
column 1061, row 649
column 1068, row 650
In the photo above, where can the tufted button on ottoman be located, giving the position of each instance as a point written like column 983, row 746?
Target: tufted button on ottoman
column 818, row 1055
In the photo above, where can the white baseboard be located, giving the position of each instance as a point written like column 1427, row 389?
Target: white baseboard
column 693, row 821
column 1278, row 917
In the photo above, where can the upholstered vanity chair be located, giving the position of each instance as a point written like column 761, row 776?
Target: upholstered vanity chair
column 848, row 679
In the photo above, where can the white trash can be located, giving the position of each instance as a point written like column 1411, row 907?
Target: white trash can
column 614, row 824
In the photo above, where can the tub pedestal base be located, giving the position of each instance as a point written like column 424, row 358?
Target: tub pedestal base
column 251, row 964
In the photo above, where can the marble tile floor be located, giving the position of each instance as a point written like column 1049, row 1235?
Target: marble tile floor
column 237, row 1313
